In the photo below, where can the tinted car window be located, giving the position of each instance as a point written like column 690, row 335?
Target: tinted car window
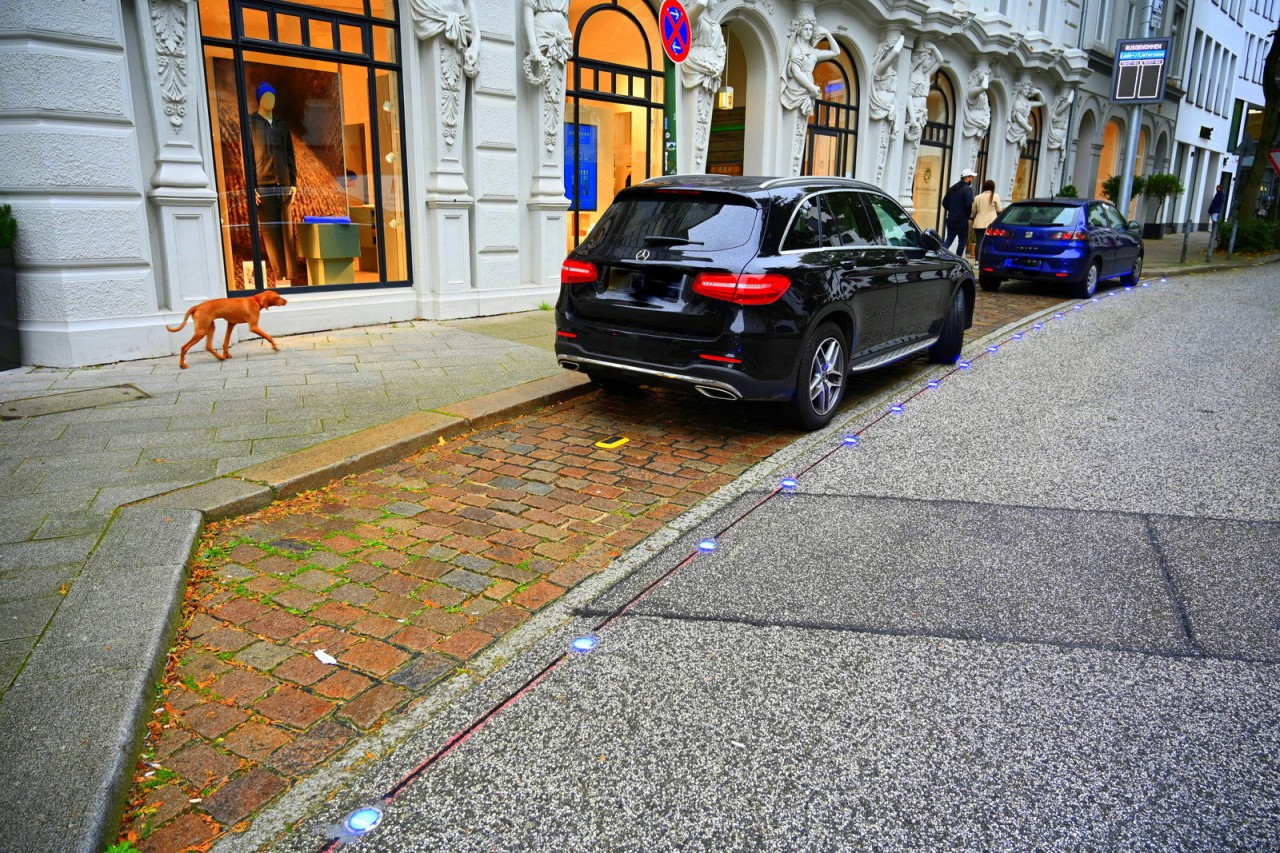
column 1041, row 215
column 853, row 223
column 895, row 223
column 705, row 222
column 1098, row 216
column 1114, row 218
column 809, row 226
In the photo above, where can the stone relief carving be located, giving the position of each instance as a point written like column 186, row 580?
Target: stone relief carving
column 1058, row 116
column 546, row 25
column 1025, row 99
column 883, row 101
column 701, row 72
column 454, row 23
column 925, row 60
column 798, row 87
column 169, row 23
column 977, row 110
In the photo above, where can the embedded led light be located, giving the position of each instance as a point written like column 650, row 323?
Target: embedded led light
column 963, row 365
column 1147, row 283
column 1017, row 336
column 789, row 484
column 1058, row 315
column 850, row 440
column 1095, row 299
column 1128, row 287
column 1037, row 325
column 993, row 348
column 363, row 820
column 933, row 383
column 1163, row 280
column 584, row 644
column 896, row 408
column 706, row 546
column 1077, row 307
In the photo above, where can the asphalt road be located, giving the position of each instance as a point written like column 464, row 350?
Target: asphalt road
column 1038, row 609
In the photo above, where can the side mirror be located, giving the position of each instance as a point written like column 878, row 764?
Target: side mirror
column 932, row 241
column 1133, row 225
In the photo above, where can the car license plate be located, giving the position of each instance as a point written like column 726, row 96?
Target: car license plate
column 1028, row 262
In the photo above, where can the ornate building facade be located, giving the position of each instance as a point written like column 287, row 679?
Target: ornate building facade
column 384, row 160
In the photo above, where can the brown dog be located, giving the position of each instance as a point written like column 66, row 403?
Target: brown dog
column 234, row 311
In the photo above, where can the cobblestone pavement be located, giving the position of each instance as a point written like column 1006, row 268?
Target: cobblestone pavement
column 404, row 574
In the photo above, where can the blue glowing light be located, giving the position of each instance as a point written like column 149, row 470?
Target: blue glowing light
column 1037, row 325
column 933, row 383
column 1163, row 280
column 1095, row 299
column 963, row 365
column 789, row 484
column 850, row 441
column 363, row 820
column 1145, row 284
column 1058, row 315
column 583, row 644
column 1128, row 287
column 896, row 408
column 1017, row 336
column 1077, row 307
column 993, row 348
column 706, row 546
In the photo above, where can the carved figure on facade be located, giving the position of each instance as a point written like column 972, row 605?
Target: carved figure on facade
column 925, row 60
column 1025, row 99
column 453, row 22
column 701, row 72
column 883, row 102
column 977, row 110
column 1058, row 118
column 799, row 91
column 169, row 23
column 546, row 26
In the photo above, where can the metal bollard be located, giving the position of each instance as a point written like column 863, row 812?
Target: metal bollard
column 1231, row 244
column 1208, row 252
column 1186, row 237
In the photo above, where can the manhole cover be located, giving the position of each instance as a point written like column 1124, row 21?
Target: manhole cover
column 72, row 401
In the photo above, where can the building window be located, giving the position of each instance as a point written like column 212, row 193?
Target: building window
column 933, row 162
column 305, row 105
column 614, row 107
column 831, row 147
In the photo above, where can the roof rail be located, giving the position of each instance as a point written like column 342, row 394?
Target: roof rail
column 808, row 179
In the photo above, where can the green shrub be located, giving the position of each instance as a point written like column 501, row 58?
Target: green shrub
column 1111, row 188
column 1069, row 191
column 8, row 227
column 1254, row 236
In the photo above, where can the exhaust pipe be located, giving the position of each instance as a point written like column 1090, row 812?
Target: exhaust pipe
column 715, row 393
column 570, row 365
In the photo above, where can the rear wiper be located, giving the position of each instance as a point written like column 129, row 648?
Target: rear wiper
column 671, row 240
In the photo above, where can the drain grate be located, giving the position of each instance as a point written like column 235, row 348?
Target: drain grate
column 71, row 401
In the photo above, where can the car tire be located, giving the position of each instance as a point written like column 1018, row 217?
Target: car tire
column 613, row 385
column 989, row 283
column 951, row 341
column 1086, row 287
column 1135, row 275
column 820, row 378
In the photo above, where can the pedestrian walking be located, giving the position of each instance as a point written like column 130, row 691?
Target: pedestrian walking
column 986, row 207
column 1216, row 205
column 958, row 205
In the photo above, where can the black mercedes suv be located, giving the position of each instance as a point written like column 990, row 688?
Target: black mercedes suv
column 744, row 288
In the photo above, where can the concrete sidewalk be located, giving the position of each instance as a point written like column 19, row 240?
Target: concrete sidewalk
column 87, row 606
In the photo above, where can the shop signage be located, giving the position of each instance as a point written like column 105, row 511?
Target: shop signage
column 676, row 35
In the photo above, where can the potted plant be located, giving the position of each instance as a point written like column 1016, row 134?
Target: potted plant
column 1111, row 188
column 1159, row 187
column 1068, row 191
column 10, row 351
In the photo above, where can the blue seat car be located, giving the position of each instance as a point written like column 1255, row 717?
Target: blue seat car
column 1080, row 242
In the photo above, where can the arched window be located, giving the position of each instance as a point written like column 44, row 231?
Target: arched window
column 831, row 147
column 1024, row 185
column 933, row 162
column 614, row 106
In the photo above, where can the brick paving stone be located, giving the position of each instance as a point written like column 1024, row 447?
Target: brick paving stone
column 314, row 580
column 165, row 803
column 500, row 590
column 325, row 560
column 226, row 639
column 170, row 741
column 213, row 719
column 201, row 764
column 353, row 594
column 242, row 687
column 336, row 613
column 397, row 583
column 201, row 667
column 293, row 707
column 466, row 581
column 443, row 596
column 395, row 606
column 414, row 638
column 363, row 572
column 239, row 611
column 538, row 596
column 464, row 644
column 377, row 626
column 297, row 599
column 425, row 569
column 374, row 656
column 366, row 710
column 343, row 684
column 441, row 621
column 277, row 565
column 264, row 656
column 244, row 795
column 256, row 741
column 302, row 669
column 279, row 625
column 189, row 832
column 265, row 585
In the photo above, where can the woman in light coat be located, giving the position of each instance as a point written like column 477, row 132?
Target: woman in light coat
column 986, row 207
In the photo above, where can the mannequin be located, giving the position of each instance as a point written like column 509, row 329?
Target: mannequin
column 275, row 182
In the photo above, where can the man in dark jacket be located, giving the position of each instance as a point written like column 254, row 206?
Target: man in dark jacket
column 958, row 206
column 1215, row 206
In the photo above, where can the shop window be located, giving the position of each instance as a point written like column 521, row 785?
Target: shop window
column 614, row 107
column 305, row 100
column 1024, row 184
column 831, row 146
column 933, row 160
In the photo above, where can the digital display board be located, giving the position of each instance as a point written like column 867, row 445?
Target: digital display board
column 1142, row 67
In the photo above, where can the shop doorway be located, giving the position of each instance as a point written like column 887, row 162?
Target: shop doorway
column 933, row 162
column 1024, row 182
column 831, row 145
column 726, row 145
column 614, row 107
column 305, row 99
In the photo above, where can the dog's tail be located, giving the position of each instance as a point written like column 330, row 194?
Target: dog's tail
column 185, row 318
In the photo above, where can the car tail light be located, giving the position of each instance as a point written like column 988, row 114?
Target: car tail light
column 1082, row 236
column 996, row 232
column 577, row 272
column 742, row 289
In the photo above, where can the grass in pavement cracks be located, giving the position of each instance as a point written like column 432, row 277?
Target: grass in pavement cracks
column 402, row 575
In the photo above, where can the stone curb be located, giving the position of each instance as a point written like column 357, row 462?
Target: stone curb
column 92, row 677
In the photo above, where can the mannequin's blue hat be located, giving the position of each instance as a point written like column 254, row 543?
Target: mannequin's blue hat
column 265, row 87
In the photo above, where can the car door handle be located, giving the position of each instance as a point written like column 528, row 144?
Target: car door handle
column 900, row 258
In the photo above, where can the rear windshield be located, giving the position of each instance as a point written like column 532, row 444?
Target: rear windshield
column 696, row 221
column 1041, row 214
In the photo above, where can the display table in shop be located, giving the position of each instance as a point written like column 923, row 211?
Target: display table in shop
column 331, row 246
